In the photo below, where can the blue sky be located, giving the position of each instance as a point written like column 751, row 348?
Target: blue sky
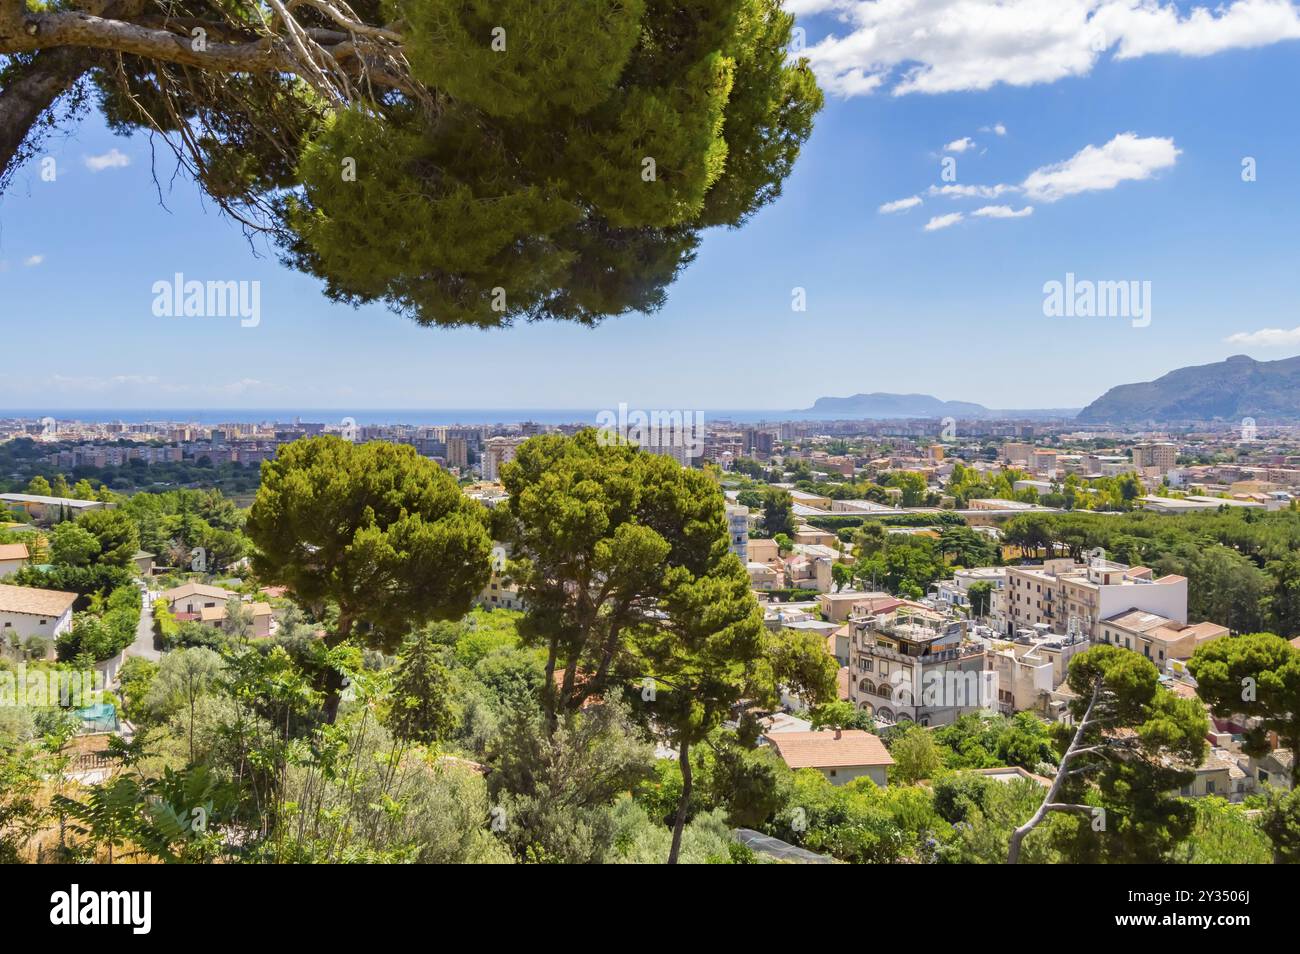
column 891, row 306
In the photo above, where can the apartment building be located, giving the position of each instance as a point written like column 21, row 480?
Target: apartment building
column 914, row 665
column 1049, row 595
column 1043, row 461
column 1029, row 669
column 457, row 453
column 498, row 451
column 738, row 530
column 1161, row 456
column 956, row 592
column 1016, row 452
column 1158, row 638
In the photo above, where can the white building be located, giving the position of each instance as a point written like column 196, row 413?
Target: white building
column 738, row 530
column 27, row 611
column 12, row 558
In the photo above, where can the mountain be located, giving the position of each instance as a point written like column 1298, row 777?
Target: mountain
column 1228, row 390
column 880, row 406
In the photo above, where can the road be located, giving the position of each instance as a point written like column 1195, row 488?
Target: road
column 144, row 644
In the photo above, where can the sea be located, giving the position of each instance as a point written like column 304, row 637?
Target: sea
column 412, row 416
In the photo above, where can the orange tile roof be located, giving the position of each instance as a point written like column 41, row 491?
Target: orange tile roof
column 830, row 748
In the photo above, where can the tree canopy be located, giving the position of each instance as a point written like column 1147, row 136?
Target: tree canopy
column 465, row 162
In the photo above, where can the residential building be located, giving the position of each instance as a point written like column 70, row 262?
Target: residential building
column 260, row 616
column 143, row 561
column 763, row 576
column 498, row 451
column 1030, row 669
column 738, row 530
column 956, row 592
column 1222, row 774
column 1156, row 637
column 13, row 556
column 1048, row 595
column 457, row 453
column 189, row 600
column 842, row 755
column 914, row 665
column 837, row 607
column 1162, row 457
column 27, row 611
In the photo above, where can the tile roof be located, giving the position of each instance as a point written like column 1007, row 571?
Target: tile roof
column 35, row 602
column 13, row 551
column 196, row 589
column 830, row 748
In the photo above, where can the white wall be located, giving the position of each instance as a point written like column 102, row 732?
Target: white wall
column 844, row 775
column 1163, row 599
column 26, row 625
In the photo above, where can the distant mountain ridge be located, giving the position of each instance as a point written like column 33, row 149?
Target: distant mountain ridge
column 884, row 406
column 1229, row 390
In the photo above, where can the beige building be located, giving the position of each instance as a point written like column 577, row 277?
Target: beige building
column 457, row 453
column 842, row 755
column 1163, row 457
column 260, row 617
column 191, row 599
column 498, row 451
column 914, row 665
column 1049, row 596
column 1028, row 671
column 1158, row 638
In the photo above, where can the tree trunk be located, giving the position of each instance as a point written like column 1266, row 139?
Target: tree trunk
column 1049, row 801
column 679, row 823
column 333, row 695
column 333, row 678
column 28, row 96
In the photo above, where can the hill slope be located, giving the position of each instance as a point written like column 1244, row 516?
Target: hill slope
column 1228, row 390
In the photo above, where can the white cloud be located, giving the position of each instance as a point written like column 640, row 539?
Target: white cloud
column 1003, row 212
column 108, row 160
column 940, row 46
column 943, row 221
column 31, row 261
column 1267, row 338
column 901, row 205
column 63, row 382
column 997, row 129
column 959, row 145
column 1125, row 158
column 954, row 191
